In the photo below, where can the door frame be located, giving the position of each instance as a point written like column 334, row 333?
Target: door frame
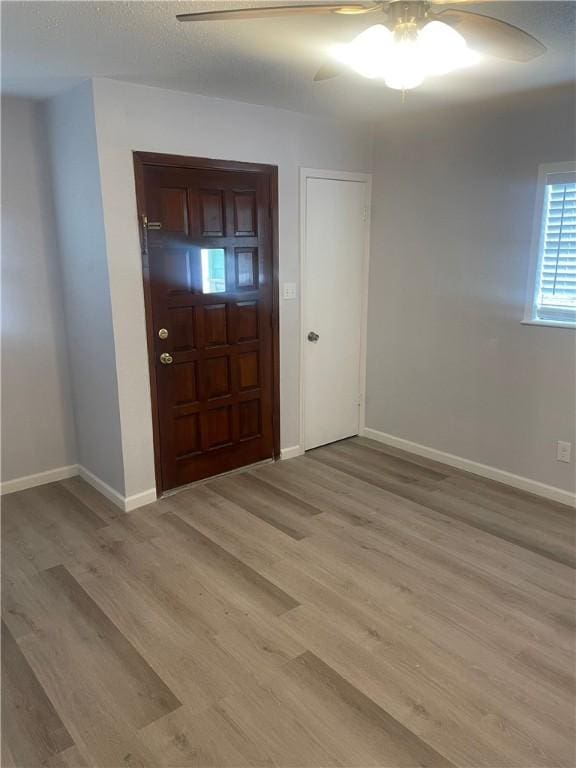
column 315, row 173
column 142, row 159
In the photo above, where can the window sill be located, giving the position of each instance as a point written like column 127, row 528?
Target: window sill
column 550, row 324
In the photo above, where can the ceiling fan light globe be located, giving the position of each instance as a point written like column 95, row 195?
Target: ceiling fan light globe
column 367, row 52
column 403, row 81
column 444, row 49
column 405, row 65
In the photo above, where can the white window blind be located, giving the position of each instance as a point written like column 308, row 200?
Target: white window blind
column 555, row 289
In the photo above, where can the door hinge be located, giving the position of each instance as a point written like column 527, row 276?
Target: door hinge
column 146, row 227
column 365, row 213
column 144, row 235
column 150, row 224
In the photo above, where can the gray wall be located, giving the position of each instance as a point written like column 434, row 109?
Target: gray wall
column 450, row 365
column 78, row 202
column 37, row 419
column 131, row 117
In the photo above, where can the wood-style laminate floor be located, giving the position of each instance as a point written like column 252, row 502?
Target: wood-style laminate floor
column 352, row 607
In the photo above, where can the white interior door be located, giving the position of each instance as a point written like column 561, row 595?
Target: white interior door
column 334, row 263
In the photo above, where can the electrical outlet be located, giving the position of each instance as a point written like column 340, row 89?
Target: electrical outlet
column 563, row 451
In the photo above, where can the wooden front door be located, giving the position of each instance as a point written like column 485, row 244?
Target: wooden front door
column 211, row 298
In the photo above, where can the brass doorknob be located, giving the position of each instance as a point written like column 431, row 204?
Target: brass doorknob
column 165, row 358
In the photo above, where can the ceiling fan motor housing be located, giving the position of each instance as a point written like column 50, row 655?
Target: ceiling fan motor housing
column 413, row 13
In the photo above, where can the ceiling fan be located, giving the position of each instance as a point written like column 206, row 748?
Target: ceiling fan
column 405, row 40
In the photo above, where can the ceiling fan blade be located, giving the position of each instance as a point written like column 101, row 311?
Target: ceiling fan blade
column 329, row 69
column 350, row 9
column 458, row 2
column 492, row 36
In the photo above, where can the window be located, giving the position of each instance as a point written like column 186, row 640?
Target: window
column 552, row 288
column 213, row 270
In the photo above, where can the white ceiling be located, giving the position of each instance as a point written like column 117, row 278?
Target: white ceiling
column 49, row 46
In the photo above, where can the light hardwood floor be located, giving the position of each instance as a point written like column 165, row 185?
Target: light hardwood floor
column 352, row 607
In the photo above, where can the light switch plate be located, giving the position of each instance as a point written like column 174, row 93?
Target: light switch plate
column 289, row 290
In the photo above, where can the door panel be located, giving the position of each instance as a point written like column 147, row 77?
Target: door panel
column 334, row 280
column 211, row 283
column 174, row 210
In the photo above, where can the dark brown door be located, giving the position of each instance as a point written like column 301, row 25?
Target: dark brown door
column 210, row 290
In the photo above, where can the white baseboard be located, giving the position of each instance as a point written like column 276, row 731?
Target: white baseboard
column 291, row 453
column 140, row 499
column 126, row 503
column 41, row 478
column 101, row 486
column 500, row 475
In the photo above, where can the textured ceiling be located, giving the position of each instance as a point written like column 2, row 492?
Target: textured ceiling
column 49, row 46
